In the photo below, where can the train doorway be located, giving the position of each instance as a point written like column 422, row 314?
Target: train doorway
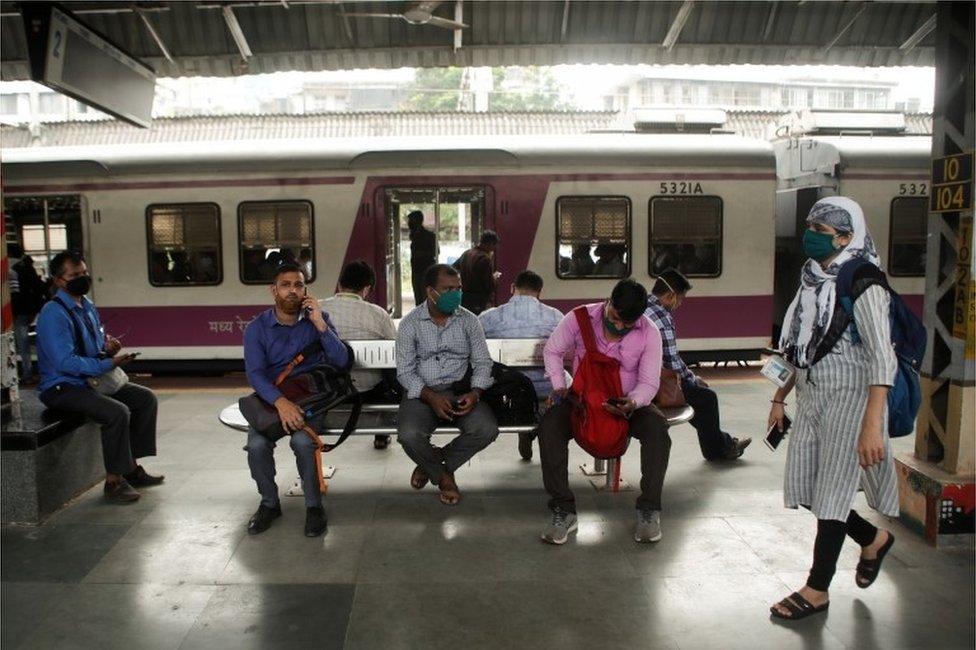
column 454, row 214
column 792, row 208
column 44, row 226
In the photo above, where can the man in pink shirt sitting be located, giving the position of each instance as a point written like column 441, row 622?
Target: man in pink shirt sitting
column 625, row 334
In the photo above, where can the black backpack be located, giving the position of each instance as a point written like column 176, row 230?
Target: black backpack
column 512, row 397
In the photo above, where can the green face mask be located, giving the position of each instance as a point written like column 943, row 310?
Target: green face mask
column 818, row 245
column 613, row 329
column 449, row 301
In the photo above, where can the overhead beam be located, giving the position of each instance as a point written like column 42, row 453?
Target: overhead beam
column 155, row 35
column 845, row 28
column 927, row 27
column 565, row 26
column 679, row 23
column 458, row 18
column 346, row 24
column 770, row 21
column 237, row 33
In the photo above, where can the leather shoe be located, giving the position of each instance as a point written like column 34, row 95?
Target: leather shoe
column 120, row 492
column 139, row 477
column 738, row 448
column 261, row 520
column 315, row 522
column 381, row 442
column 525, row 445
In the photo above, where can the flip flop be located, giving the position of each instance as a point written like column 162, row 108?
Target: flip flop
column 868, row 569
column 450, row 497
column 418, row 479
column 798, row 606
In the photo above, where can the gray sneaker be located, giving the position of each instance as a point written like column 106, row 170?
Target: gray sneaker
column 562, row 524
column 648, row 526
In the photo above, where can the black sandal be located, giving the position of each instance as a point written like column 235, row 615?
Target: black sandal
column 799, row 607
column 869, row 569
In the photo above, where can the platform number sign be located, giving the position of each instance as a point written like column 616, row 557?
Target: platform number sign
column 952, row 183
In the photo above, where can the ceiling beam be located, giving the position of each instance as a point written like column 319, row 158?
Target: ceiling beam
column 346, row 24
column 845, row 28
column 458, row 18
column 679, row 23
column 237, row 33
column 770, row 20
column 155, row 35
column 919, row 35
column 565, row 26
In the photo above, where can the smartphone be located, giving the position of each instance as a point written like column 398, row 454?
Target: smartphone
column 774, row 436
column 455, row 405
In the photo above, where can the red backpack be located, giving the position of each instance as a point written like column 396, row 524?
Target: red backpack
column 599, row 432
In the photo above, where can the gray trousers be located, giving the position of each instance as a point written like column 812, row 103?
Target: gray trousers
column 416, row 422
column 127, row 418
column 260, row 459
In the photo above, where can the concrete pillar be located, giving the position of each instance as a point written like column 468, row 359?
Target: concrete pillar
column 937, row 487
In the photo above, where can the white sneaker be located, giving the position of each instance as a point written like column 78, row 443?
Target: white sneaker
column 559, row 528
column 648, row 526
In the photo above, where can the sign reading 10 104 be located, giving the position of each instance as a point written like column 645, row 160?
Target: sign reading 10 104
column 952, row 183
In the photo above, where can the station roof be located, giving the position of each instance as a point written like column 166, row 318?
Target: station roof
column 211, row 38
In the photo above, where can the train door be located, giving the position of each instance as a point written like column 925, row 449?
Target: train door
column 454, row 214
column 792, row 208
column 45, row 226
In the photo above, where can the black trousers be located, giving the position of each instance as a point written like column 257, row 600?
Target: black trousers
column 646, row 425
column 127, row 418
column 713, row 441
column 830, row 539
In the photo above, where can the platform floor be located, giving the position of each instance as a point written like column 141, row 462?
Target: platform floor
column 399, row 570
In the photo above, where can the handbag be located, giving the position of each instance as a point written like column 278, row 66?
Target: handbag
column 316, row 392
column 108, row 383
column 669, row 393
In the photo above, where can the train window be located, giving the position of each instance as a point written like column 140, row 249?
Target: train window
column 272, row 232
column 686, row 234
column 184, row 244
column 908, row 232
column 593, row 237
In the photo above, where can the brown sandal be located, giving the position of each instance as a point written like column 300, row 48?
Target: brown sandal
column 418, row 479
column 450, row 494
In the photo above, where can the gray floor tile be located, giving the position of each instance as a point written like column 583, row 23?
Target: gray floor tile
column 273, row 616
column 145, row 616
column 56, row 553
column 25, row 605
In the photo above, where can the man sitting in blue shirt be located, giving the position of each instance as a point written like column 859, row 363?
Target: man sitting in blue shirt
column 71, row 348
column 524, row 317
column 667, row 295
column 271, row 341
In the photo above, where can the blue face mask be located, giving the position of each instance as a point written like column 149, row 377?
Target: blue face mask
column 449, row 301
column 818, row 245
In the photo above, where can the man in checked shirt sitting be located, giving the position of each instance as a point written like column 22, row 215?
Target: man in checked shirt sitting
column 666, row 296
column 436, row 345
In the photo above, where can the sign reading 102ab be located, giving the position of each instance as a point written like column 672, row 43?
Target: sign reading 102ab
column 952, row 183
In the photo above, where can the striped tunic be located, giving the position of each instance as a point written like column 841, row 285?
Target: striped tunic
column 822, row 470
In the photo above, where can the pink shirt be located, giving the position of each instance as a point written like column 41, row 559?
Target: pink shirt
column 639, row 353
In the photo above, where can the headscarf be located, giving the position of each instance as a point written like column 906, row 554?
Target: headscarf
column 808, row 316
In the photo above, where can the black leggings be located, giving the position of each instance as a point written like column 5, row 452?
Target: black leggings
column 830, row 538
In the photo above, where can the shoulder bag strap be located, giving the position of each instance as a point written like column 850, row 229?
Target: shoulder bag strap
column 307, row 351
column 586, row 328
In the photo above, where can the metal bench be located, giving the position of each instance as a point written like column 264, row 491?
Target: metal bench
column 380, row 419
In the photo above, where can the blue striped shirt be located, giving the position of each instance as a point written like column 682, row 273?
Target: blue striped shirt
column 523, row 317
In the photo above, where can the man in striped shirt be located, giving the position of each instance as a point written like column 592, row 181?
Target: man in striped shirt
column 436, row 345
column 666, row 296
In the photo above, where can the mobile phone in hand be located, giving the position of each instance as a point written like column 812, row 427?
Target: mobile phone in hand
column 774, row 435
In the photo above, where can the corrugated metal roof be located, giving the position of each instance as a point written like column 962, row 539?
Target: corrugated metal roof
column 757, row 124
column 313, row 35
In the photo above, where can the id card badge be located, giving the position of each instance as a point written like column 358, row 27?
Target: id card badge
column 778, row 370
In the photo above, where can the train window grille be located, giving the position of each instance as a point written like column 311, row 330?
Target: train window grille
column 593, row 237
column 272, row 232
column 686, row 233
column 908, row 234
column 184, row 244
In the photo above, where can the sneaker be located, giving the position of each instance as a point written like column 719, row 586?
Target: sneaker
column 120, row 492
column 738, row 448
column 315, row 521
column 262, row 518
column 648, row 526
column 562, row 524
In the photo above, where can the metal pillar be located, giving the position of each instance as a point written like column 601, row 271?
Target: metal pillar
column 936, row 484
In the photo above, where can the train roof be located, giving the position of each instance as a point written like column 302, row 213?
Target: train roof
column 800, row 157
column 709, row 150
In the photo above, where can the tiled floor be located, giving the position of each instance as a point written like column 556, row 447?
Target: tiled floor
column 399, row 570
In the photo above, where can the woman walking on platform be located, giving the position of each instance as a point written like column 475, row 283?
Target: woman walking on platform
column 843, row 373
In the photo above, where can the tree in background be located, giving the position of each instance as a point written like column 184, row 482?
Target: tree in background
column 512, row 89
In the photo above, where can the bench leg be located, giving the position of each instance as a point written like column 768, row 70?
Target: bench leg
column 597, row 468
column 328, row 471
column 612, row 481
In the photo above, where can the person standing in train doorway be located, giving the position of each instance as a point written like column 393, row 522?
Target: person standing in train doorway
column 423, row 254
column 666, row 296
column 840, row 442
column 75, row 355
column 478, row 275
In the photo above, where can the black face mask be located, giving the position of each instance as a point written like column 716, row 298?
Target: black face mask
column 79, row 286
